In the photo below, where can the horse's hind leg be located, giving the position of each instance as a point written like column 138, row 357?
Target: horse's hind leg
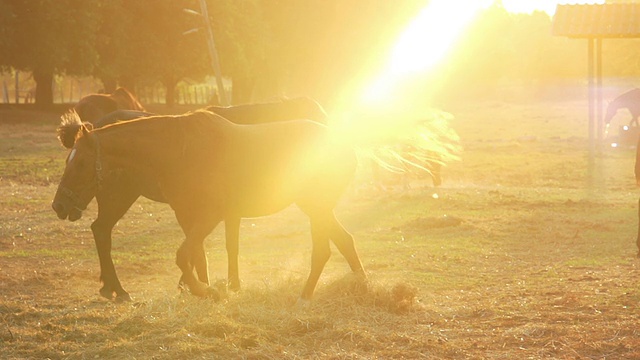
column 191, row 253
column 345, row 244
column 638, row 238
column 187, row 257
column 232, row 234
column 198, row 260
column 110, row 210
column 319, row 256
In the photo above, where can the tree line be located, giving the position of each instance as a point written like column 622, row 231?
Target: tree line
column 269, row 48
column 265, row 46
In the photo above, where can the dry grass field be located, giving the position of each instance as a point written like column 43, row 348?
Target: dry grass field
column 515, row 258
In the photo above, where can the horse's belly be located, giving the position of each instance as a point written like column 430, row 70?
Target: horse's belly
column 313, row 183
column 260, row 201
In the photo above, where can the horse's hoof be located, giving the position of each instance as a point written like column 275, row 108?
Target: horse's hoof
column 106, row 293
column 234, row 286
column 211, row 293
column 223, row 289
column 182, row 286
column 124, row 297
column 302, row 304
column 360, row 275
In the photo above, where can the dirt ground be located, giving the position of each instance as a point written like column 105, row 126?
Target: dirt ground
column 523, row 253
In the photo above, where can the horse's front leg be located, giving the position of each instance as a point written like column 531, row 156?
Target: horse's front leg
column 110, row 210
column 232, row 234
column 200, row 262
column 191, row 253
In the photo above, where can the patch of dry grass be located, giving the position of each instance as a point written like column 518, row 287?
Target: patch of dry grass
column 535, row 266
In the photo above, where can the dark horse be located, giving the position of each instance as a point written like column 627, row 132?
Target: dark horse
column 210, row 170
column 629, row 100
column 116, row 196
column 95, row 106
column 285, row 109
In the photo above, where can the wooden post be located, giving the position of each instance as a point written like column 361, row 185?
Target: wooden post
column 5, row 91
column 215, row 62
column 17, row 93
column 591, row 82
column 599, row 120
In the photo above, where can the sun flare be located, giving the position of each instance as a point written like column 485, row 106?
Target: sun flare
column 392, row 104
column 424, row 43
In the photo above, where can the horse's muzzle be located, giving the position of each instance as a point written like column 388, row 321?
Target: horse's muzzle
column 65, row 211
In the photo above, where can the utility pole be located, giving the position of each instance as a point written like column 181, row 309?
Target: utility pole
column 215, row 62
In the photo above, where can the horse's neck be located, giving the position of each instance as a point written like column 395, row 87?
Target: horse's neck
column 141, row 144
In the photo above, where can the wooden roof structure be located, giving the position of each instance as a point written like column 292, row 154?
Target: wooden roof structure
column 619, row 20
column 595, row 22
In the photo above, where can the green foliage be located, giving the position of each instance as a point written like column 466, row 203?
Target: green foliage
column 7, row 29
column 142, row 45
column 272, row 47
column 48, row 35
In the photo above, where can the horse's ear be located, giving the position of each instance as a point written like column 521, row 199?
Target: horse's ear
column 86, row 129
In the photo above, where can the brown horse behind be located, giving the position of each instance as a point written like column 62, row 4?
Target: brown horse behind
column 95, row 106
column 211, row 170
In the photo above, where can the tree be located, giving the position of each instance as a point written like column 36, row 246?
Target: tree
column 7, row 30
column 242, row 39
column 320, row 47
column 143, row 41
column 113, row 43
column 51, row 37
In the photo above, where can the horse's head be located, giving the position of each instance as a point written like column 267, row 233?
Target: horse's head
column 125, row 100
column 93, row 107
column 80, row 179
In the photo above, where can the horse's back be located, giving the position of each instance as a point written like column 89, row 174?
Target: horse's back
column 266, row 167
column 240, row 170
column 627, row 98
column 260, row 113
column 120, row 115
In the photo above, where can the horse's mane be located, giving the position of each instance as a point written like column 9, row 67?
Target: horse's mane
column 126, row 100
column 69, row 128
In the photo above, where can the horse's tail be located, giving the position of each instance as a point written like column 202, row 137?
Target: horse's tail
column 309, row 108
column 403, row 142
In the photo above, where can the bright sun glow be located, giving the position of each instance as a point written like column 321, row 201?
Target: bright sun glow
column 388, row 106
column 428, row 38
column 425, row 42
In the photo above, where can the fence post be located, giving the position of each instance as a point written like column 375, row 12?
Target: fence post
column 17, row 93
column 5, row 91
